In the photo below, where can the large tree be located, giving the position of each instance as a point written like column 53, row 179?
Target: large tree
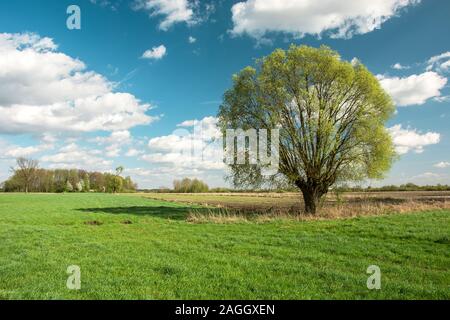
column 26, row 172
column 331, row 114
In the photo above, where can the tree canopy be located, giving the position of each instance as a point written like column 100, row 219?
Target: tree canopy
column 331, row 114
column 28, row 177
column 187, row 185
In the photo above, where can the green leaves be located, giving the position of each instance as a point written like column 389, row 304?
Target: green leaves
column 331, row 113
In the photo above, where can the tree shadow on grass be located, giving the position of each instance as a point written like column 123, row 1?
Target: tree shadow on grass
column 174, row 213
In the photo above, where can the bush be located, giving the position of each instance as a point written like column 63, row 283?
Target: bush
column 190, row 186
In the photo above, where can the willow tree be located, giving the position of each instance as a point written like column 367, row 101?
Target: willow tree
column 331, row 115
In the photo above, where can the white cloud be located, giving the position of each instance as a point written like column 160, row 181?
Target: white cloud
column 155, row 53
column 173, row 11
column 117, row 137
column 418, row 178
column 341, row 19
column 399, row 66
column 74, row 156
column 442, row 165
column 442, row 99
column 192, row 39
column 164, row 176
column 18, row 151
column 48, row 138
column 406, row 140
column 198, row 149
column 132, row 152
column 445, row 65
column 142, row 172
column 415, row 89
column 11, row 151
column 188, row 123
column 114, row 142
column 427, row 175
column 43, row 90
column 113, row 151
column 440, row 62
column 207, row 127
column 120, row 137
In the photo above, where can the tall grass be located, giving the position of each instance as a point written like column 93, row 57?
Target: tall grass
column 338, row 210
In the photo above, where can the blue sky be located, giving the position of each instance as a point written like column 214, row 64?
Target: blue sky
column 92, row 99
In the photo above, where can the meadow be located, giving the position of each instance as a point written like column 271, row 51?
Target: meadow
column 134, row 247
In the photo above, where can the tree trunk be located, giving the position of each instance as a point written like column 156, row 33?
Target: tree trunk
column 311, row 198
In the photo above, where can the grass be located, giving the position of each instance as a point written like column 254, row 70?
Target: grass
column 130, row 247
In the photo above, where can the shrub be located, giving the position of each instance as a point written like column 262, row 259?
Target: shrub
column 190, row 186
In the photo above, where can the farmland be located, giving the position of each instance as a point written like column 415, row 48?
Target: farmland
column 334, row 206
column 134, row 247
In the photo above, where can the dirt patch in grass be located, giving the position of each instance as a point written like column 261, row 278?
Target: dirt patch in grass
column 93, row 223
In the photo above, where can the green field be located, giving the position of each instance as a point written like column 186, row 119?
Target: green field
column 129, row 247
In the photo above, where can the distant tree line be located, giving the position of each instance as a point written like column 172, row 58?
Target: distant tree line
column 402, row 187
column 345, row 188
column 28, row 177
column 190, row 186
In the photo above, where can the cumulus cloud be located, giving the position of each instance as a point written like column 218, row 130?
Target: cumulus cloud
column 117, row 137
column 43, row 90
column 113, row 151
column 415, row 89
column 399, row 66
column 10, row 151
column 341, row 19
column 164, row 176
column 171, row 11
column 156, row 53
column 16, row 152
column 442, row 165
column 199, row 148
column 74, row 156
column 427, row 175
column 113, row 143
column 442, row 99
column 132, row 152
column 193, row 150
column 440, row 63
column 410, row 140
